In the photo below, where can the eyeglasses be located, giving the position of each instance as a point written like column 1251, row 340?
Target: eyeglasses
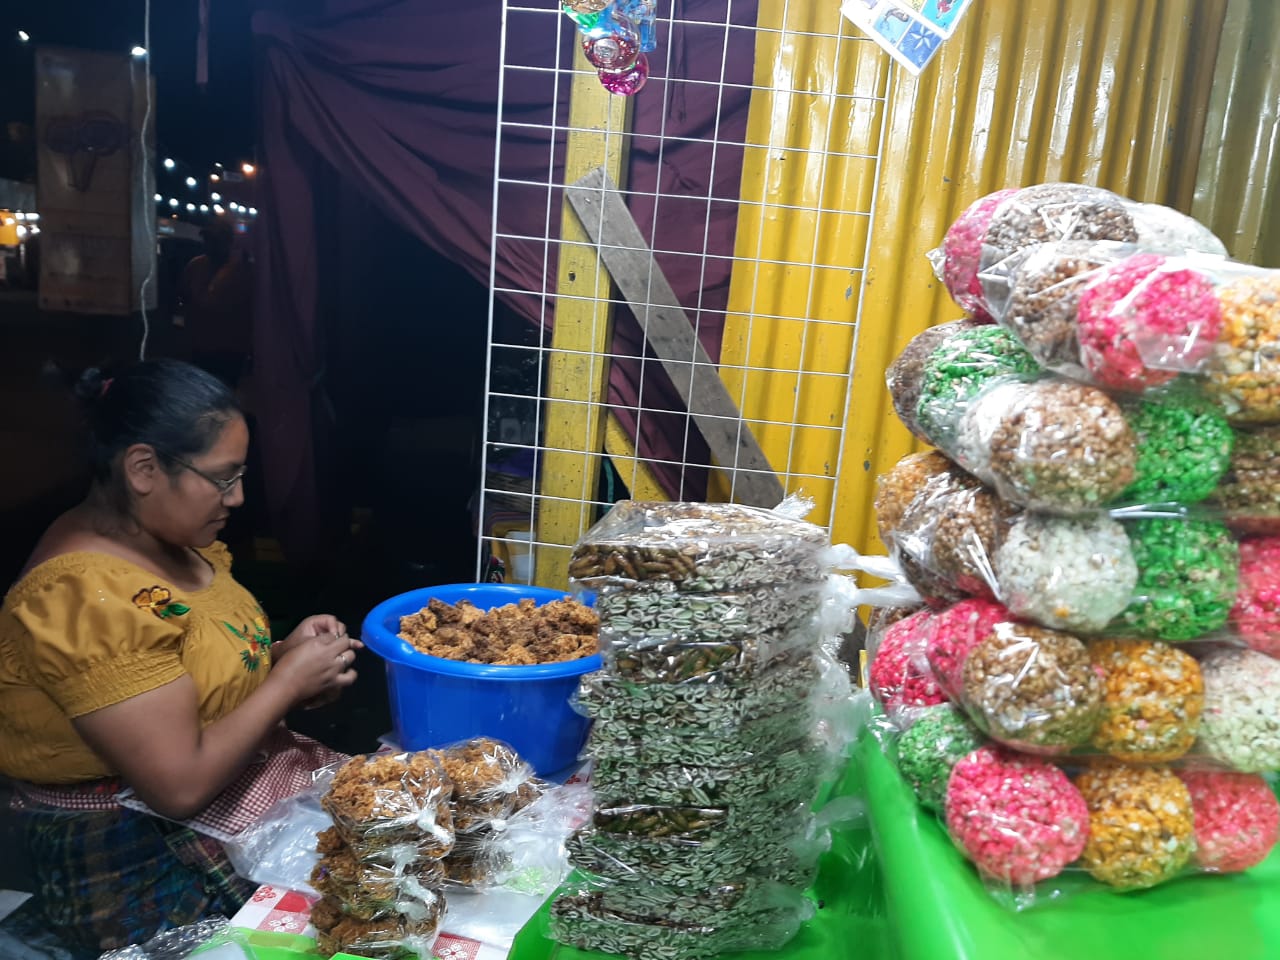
column 224, row 486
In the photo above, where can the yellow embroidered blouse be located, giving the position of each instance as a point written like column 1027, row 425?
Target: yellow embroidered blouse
column 83, row 631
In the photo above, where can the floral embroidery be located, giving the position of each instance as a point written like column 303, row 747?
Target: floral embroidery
column 160, row 602
column 258, row 637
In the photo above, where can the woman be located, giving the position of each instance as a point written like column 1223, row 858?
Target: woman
column 130, row 657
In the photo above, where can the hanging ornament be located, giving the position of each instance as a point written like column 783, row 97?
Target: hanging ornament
column 643, row 14
column 626, row 83
column 587, row 14
column 616, row 35
column 613, row 52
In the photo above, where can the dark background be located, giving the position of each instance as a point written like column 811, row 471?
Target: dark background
column 194, row 125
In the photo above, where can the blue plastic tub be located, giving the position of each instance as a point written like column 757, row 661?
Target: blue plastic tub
column 435, row 701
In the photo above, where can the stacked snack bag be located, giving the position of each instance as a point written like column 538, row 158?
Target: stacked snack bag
column 380, row 869
column 1089, row 686
column 405, row 827
column 707, row 747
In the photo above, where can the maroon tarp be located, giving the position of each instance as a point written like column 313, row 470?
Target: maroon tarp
column 400, row 97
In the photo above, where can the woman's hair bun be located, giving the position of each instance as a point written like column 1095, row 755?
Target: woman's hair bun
column 91, row 385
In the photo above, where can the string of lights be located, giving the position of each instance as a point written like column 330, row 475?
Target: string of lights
column 190, row 191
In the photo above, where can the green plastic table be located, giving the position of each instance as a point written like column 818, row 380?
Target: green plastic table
column 899, row 890
column 938, row 910
column 848, row 922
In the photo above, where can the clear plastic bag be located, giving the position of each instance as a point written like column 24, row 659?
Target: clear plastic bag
column 937, row 739
column 388, row 937
column 680, row 654
column 1068, row 573
column 1141, row 824
column 1237, row 819
column 948, row 537
column 526, row 852
column 1144, row 319
column 905, row 376
column 1152, row 700
column 1114, row 314
column 958, row 260
column 638, row 742
column 1244, row 369
column 952, row 634
column 658, row 609
column 582, row 920
column 368, row 889
column 785, row 779
column 1051, row 212
column 720, row 697
column 1049, row 444
column 896, row 489
column 180, row 942
column 1184, row 447
column 745, row 900
column 1188, row 571
column 1241, row 725
column 1039, row 830
column 650, row 920
column 790, row 856
column 899, row 676
column 1032, row 689
column 698, row 546
column 383, row 800
column 1249, row 494
column 487, row 776
column 722, row 735
column 957, row 370
column 1001, row 223
column 279, row 848
column 1255, row 615
column 1019, row 819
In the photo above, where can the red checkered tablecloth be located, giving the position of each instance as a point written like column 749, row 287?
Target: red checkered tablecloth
column 286, row 765
column 287, row 911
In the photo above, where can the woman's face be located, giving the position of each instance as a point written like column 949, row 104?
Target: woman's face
column 187, row 507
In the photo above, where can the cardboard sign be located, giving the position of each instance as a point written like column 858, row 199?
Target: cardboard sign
column 94, row 192
column 911, row 31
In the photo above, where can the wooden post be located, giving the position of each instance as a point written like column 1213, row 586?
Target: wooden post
column 577, row 370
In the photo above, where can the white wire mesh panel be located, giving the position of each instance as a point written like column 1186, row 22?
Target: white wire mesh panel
column 749, row 164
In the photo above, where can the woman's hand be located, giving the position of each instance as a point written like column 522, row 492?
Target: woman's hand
column 318, row 667
column 316, row 626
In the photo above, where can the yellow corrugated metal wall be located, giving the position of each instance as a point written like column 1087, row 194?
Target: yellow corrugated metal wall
column 1105, row 93
column 1238, row 182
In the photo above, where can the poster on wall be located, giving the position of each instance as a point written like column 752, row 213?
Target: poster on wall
column 93, row 190
column 911, row 31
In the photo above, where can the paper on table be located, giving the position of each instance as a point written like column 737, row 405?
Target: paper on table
column 11, row 900
column 288, row 911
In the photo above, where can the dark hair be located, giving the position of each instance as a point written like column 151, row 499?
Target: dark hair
column 172, row 406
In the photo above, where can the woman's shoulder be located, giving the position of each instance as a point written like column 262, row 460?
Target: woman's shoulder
column 82, row 566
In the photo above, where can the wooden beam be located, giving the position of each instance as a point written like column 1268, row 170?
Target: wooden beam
column 642, row 483
column 577, row 368
column 630, row 262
